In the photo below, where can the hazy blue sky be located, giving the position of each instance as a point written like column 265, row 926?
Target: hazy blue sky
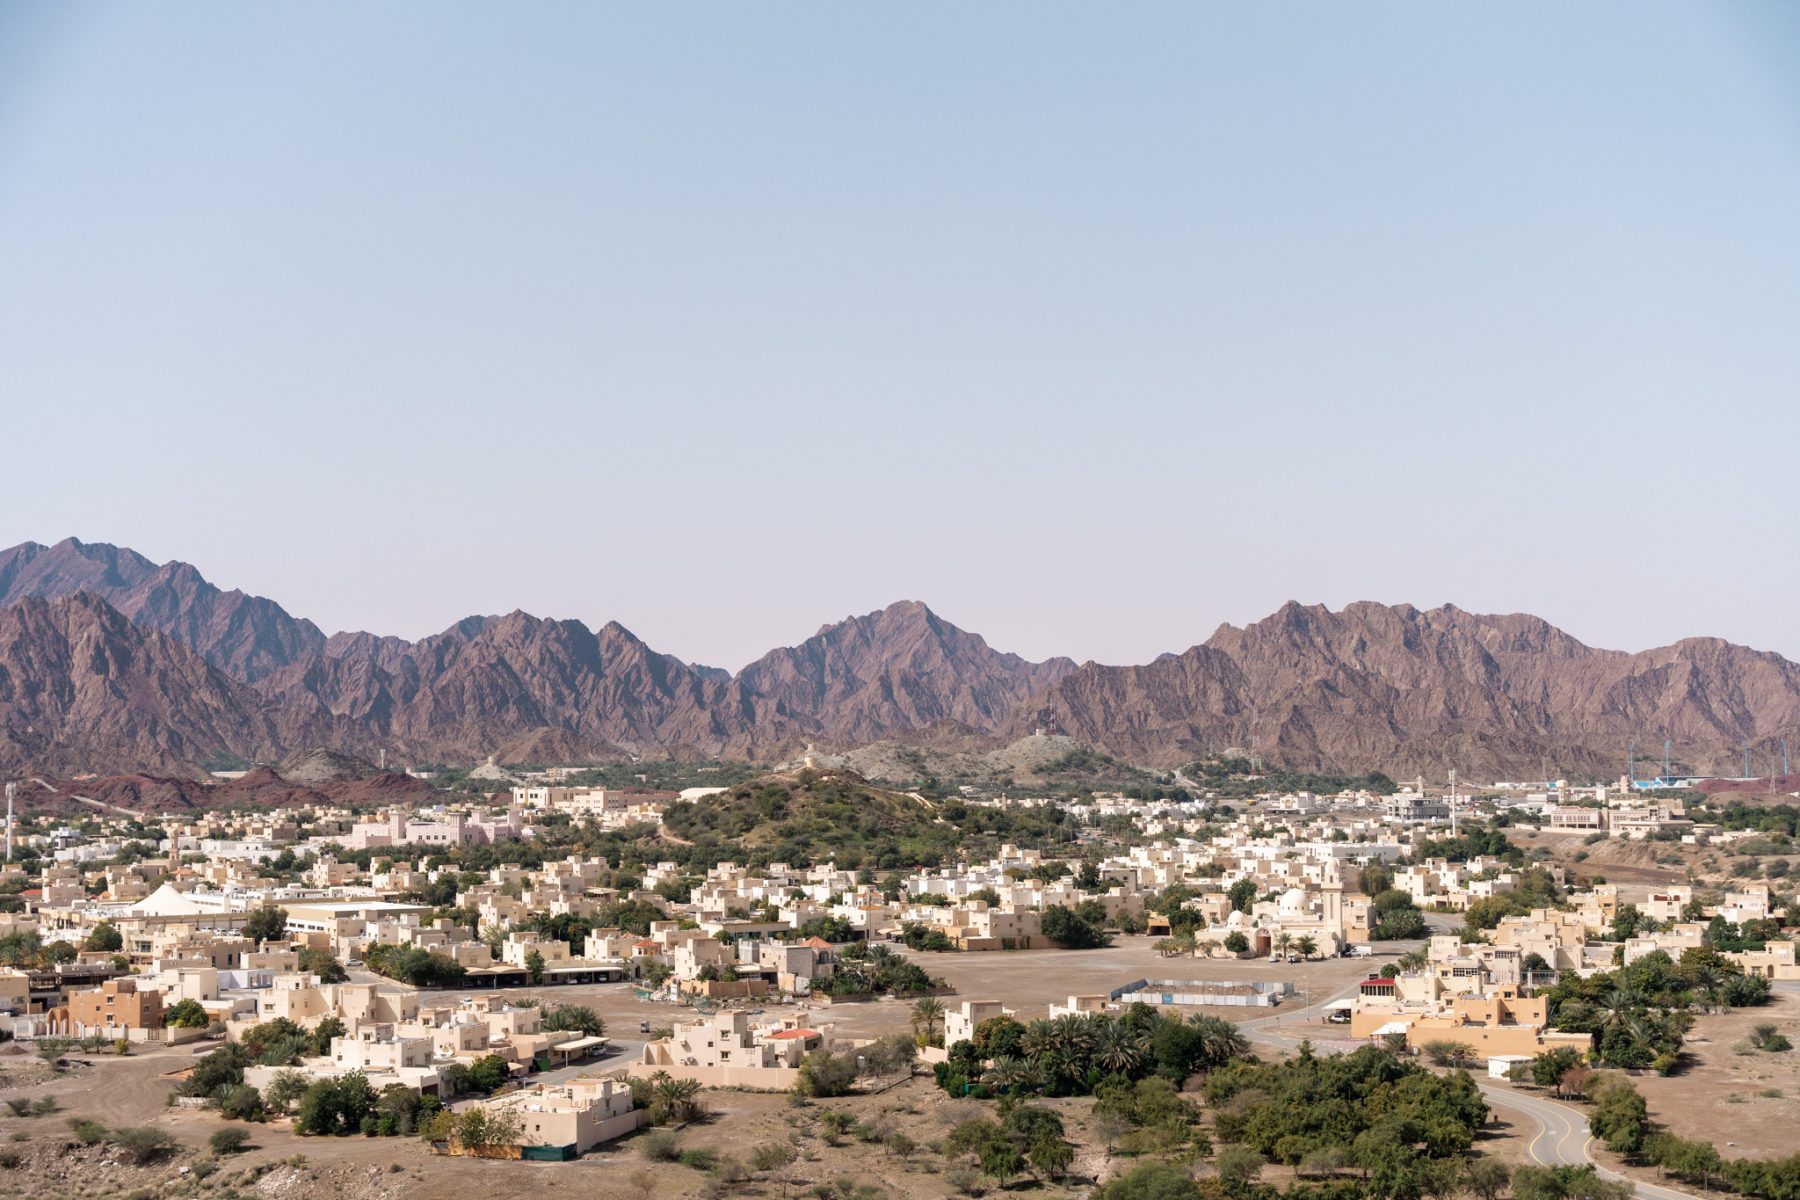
column 1091, row 326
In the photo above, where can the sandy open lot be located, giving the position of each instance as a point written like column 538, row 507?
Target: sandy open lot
column 1721, row 1096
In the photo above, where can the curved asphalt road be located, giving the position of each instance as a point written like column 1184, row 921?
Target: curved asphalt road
column 1562, row 1137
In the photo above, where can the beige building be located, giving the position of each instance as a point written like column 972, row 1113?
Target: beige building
column 573, row 1117
column 960, row 1022
column 1501, row 1023
column 728, row 1051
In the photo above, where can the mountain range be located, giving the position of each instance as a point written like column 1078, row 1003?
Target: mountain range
column 110, row 662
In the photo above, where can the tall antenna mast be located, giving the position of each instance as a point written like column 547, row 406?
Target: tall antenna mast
column 1665, row 760
column 11, row 788
column 1453, row 832
column 1631, row 760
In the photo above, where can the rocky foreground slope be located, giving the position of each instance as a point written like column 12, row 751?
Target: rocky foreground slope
column 111, row 662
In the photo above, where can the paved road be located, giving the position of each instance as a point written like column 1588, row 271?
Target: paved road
column 90, row 801
column 1562, row 1136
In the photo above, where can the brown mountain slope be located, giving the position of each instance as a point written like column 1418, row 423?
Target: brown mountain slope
column 901, row 668
column 1400, row 689
column 1370, row 687
column 82, row 688
column 245, row 636
column 523, row 682
column 462, row 695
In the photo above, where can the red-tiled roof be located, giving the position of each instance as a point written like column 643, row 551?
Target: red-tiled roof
column 793, row 1033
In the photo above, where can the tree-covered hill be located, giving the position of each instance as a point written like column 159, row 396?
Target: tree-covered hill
column 810, row 816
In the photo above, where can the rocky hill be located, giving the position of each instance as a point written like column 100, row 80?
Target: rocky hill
column 134, row 665
column 247, row 637
column 1404, row 690
column 84, row 689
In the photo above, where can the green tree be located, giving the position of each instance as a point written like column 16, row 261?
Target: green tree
column 284, row 1090
column 1061, row 924
column 1620, row 1118
column 1242, row 894
column 105, row 938
column 1151, row 1181
column 335, row 1107
column 1626, row 923
column 266, row 924
column 1548, row 1068
column 1050, row 1156
column 1238, row 1165
column 1566, row 1183
column 1486, row 1178
column 323, row 964
column 186, row 1014
column 825, row 1073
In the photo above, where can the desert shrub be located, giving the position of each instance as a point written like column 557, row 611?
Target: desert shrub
column 660, row 1145
column 88, row 1133
column 229, row 1141
column 825, row 1073
column 241, row 1102
column 1764, row 1036
column 142, row 1144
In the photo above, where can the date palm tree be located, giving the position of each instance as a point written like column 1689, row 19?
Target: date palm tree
column 1073, row 1034
column 1119, row 1049
column 1221, row 1040
column 1709, row 982
column 1307, row 945
column 1037, row 1040
column 1282, row 942
column 1006, row 1073
column 1620, row 1008
column 927, row 1014
column 676, row 1097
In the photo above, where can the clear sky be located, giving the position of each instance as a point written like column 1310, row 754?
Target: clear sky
column 1090, row 326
